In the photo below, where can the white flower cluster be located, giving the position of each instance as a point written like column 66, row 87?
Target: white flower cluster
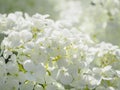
column 40, row 54
column 99, row 18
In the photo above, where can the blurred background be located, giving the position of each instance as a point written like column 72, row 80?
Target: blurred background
column 29, row 6
column 98, row 18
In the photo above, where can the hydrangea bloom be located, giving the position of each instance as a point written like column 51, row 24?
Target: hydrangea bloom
column 40, row 54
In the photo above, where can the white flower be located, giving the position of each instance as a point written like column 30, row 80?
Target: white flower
column 117, row 53
column 51, row 87
column 11, row 83
column 12, row 68
column 38, row 53
column 2, row 67
column 25, row 35
column 13, row 40
column 38, row 87
column 39, row 72
column 7, row 53
column 64, row 77
column 108, row 73
column 29, row 65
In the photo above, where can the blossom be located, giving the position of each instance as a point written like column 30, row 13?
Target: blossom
column 46, row 55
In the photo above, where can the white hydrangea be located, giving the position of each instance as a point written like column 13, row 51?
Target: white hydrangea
column 40, row 54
